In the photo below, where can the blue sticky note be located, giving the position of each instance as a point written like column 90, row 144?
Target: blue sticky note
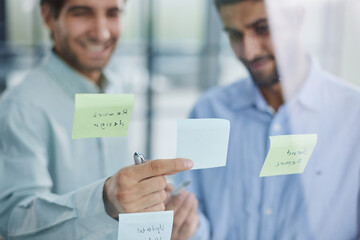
column 204, row 141
column 148, row 225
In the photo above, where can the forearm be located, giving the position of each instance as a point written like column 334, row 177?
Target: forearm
column 78, row 214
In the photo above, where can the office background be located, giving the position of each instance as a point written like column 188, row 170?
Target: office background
column 172, row 51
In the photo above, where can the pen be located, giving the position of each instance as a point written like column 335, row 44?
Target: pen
column 139, row 158
column 178, row 189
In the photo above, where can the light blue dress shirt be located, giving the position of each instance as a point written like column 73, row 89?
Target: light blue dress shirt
column 322, row 203
column 50, row 184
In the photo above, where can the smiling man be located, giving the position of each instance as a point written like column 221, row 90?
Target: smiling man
column 55, row 187
column 323, row 202
column 85, row 33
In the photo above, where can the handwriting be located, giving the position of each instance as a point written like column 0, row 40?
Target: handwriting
column 104, row 125
column 296, row 153
column 291, row 153
column 108, row 119
column 153, row 228
column 288, row 163
column 110, row 114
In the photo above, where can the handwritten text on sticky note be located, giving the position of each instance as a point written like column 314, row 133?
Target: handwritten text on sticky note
column 204, row 141
column 146, row 226
column 288, row 154
column 102, row 115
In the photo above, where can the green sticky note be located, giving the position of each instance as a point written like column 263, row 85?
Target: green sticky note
column 288, row 154
column 102, row 115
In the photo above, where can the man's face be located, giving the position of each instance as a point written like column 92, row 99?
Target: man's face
column 86, row 32
column 247, row 26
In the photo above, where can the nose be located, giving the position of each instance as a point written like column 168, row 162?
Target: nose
column 101, row 31
column 251, row 48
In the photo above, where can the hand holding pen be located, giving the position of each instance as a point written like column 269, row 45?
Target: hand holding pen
column 140, row 159
column 140, row 187
column 184, row 205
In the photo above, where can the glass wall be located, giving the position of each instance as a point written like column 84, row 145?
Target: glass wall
column 172, row 51
column 167, row 56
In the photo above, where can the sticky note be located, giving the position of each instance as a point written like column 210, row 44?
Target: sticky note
column 204, row 141
column 102, row 115
column 288, row 154
column 146, row 226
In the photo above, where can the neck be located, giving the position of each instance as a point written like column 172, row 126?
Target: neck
column 291, row 82
column 273, row 96
column 93, row 76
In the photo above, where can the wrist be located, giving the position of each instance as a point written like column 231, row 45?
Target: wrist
column 110, row 209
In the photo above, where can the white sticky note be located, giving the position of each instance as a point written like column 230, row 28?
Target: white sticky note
column 146, row 226
column 204, row 141
column 288, row 154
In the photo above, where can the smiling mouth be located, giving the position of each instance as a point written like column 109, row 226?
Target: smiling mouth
column 259, row 64
column 96, row 48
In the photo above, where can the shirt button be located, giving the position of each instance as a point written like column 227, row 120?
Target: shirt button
column 277, row 127
column 268, row 211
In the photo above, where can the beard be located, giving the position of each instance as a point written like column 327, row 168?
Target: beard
column 74, row 60
column 261, row 79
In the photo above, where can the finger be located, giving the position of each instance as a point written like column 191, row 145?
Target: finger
column 190, row 225
column 181, row 214
column 169, row 187
column 161, row 167
column 147, row 201
column 129, row 192
column 176, row 202
column 151, row 185
column 156, row 208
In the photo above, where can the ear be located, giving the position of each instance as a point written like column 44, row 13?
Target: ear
column 48, row 17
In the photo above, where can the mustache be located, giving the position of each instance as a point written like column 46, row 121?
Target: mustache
column 256, row 60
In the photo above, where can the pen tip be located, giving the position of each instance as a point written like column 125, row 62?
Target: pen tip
column 187, row 182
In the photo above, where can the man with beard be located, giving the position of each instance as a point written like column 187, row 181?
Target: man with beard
column 55, row 187
column 234, row 202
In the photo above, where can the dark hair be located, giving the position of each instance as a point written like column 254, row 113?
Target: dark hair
column 55, row 6
column 220, row 3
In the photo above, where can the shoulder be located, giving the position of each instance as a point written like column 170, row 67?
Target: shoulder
column 340, row 91
column 35, row 89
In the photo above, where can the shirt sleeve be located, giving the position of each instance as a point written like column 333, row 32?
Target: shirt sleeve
column 28, row 208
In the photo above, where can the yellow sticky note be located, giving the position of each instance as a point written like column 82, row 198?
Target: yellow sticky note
column 288, row 154
column 102, row 115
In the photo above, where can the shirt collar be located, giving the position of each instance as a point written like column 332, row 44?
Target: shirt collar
column 249, row 95
column 68, row 78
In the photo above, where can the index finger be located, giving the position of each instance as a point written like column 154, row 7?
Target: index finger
column 162, row 167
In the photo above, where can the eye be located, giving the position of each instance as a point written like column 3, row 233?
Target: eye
column 113, row 13
column 80, row 13
column 262, row 30
column 235, row 36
